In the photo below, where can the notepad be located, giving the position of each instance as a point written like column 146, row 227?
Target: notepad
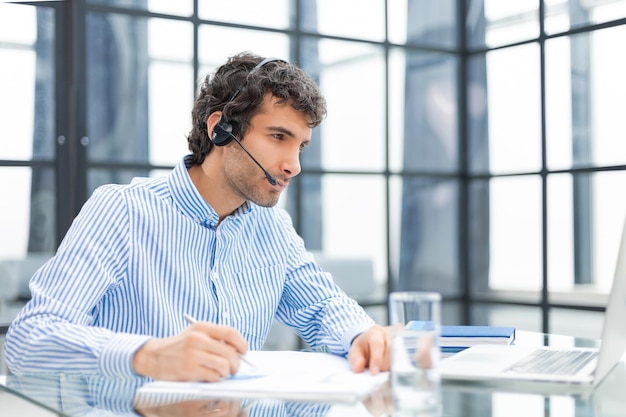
column 282, row 375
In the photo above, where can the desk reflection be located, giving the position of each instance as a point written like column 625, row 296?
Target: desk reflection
column 194, row 408
column 75, row 395
column 79, row 395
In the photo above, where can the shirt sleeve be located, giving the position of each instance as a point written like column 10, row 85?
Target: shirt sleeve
column 321, row 312
column 56, row 330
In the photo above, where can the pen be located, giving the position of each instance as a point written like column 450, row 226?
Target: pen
column 191, row 320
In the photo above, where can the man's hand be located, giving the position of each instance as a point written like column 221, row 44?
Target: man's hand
column 195, row 408
column 202, row 352
column 371, row 350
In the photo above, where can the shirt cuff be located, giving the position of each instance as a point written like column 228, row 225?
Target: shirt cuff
column 353, row 332
column 117, row 356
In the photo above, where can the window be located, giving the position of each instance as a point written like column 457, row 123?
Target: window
column 28, row 178
column 480, row 163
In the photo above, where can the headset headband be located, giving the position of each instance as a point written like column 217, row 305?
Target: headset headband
column 255, row 69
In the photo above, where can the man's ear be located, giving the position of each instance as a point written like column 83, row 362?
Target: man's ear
column 211, row 121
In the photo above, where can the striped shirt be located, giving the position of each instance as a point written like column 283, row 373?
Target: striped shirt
column 140, row 256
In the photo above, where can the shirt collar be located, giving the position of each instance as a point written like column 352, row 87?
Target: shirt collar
column 188, row 199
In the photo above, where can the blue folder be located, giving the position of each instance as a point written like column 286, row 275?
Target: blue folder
column 454, row 338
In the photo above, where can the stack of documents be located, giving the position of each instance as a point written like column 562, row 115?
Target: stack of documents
column 282, row 375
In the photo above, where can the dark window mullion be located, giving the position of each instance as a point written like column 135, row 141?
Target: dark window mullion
column 69, row 110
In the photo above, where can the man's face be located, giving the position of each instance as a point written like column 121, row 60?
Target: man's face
column 275, row 138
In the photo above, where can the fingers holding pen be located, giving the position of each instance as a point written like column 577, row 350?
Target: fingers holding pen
column 217, row 348
column 201, row 352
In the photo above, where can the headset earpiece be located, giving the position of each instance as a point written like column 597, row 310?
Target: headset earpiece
column 222, row 132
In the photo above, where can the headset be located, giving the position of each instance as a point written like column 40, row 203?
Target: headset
column 223, row 131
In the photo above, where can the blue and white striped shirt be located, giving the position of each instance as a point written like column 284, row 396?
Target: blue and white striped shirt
column 140, row 256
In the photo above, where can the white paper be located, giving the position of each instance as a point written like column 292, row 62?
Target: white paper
column 285, row 375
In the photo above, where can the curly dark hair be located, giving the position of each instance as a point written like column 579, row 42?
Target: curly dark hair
column 281, row 79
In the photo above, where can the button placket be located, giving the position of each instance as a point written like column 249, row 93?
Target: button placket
column 216, row 273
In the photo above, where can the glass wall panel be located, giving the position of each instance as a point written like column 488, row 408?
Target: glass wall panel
column 18, row 25
column 494, row 23
column 423, row 111
column 140, row 90
column 585, row 218
column 165, row 37
column 515, row 233
column 424, row 233
column 477, row 115
column 559, row 101
column 452, row 312
column 397, row 66
column 584, row 324
column 213, row 50
column 513, row 110
column 560, row 232
column 585, row 92
column 520, row 317
column 397, row 21
column 28, row 207
column 27, row 74
column 351, row 77
column 608, row 215
column 28, row 222
column 346, row 18
column 423, row 22
column 562, row 15
column 478, row 235
column 169, row 111
column 514, row 261
column 352, row 225
column 28, row 231
column 266, row 13
column 608, row 95
column 178, row 7
column 583, row 239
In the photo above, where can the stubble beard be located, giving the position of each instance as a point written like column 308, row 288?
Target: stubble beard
column 242, row 176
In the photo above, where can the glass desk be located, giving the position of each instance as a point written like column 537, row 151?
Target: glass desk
column 44, row 395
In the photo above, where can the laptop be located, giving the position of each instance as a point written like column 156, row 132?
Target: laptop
column 569, row 365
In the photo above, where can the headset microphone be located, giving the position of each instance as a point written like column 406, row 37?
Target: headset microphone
column 225, row 129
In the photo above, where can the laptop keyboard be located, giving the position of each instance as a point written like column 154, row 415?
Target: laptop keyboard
column 553, row 362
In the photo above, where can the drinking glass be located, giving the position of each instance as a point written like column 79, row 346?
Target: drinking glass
column 415, row 317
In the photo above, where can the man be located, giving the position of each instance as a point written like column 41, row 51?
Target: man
column 207, row 242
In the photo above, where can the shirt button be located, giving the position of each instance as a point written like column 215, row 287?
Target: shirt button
column 226, row 315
